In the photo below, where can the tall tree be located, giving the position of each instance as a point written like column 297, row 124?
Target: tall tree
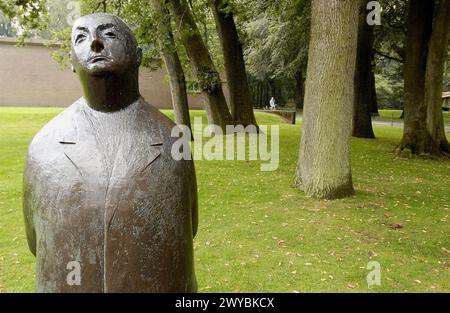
column 324, row 168
column 415, row 138
column 240, row 98
column 362, row 115
column 202, row 64
column 172, row 62
column 437, row 55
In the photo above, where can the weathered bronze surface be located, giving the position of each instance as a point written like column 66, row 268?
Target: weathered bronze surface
column 100, row 185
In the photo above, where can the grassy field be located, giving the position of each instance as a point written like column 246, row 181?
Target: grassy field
column 257, row 233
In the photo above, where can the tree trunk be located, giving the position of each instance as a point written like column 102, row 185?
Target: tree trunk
column 240, row 97
column 362, row 117
column 299, row 90
column 324, row 168
column 256, row 95
column 173, row 65
column 416, row 139
column 203, row 67
column 259, row 93
column 374, row 102
column 437, row 55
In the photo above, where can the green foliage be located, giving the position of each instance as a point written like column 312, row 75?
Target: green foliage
column 389, row 84
column 276, row 51
column 278, row 39
column 390, row 36
column 389, row 46
column 7, row 29
column 62, row 54
column 389, row 49
column 140, row 15
column 134, row 12
column 31, row 15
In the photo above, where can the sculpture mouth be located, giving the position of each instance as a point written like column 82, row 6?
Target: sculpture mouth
column 98, row 58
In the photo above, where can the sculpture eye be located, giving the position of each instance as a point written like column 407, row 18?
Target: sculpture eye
column 80, row 38
column 111, row 35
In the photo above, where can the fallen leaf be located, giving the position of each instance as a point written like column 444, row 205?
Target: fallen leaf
column 395, row 226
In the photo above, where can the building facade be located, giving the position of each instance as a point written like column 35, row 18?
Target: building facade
column 30, row 77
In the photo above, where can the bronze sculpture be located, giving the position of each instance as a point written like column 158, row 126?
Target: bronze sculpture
column 101, row 188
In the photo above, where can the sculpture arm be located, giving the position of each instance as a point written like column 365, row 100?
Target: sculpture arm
column 28, row 208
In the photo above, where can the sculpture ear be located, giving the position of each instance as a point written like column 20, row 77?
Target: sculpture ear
column 139, row 55
column 71, row 63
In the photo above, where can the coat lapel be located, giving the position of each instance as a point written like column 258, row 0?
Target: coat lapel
column 149, row 140
column 82, row 150
column 80, row 147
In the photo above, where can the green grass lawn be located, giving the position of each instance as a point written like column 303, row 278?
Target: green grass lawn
column 394, row 116
column 257, row 233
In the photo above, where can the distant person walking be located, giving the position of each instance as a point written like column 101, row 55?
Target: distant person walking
column 273, row 105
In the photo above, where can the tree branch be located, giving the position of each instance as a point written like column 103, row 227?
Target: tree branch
column 101, row 3
column 387, row 56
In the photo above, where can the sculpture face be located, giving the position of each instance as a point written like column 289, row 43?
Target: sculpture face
column 103, row 44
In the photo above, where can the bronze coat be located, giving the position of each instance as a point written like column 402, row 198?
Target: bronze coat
column 129, row 218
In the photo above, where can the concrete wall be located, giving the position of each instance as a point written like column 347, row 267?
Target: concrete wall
column 446, row 100
column 30, row 77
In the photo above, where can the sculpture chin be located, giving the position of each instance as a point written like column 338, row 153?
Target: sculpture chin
column 101, row 67
column 104, row 67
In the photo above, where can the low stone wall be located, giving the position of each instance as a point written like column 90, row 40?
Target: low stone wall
column 287, row 116
column 30, row 77
column 446, row 100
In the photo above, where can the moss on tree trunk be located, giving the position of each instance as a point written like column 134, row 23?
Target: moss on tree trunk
column 324, row 168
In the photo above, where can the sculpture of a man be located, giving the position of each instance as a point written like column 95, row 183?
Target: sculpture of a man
column 101, row 189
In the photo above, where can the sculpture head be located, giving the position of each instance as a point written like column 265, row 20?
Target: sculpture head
column 103, row 44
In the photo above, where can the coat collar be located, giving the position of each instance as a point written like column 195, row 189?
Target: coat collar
column 77, row 138
column 76, row 117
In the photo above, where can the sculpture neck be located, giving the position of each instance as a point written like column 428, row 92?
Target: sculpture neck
column 110, row 92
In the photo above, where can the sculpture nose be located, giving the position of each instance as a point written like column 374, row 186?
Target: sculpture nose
column 97, row 45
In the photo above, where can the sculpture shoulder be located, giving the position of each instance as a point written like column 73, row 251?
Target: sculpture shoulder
column 156, row 115
column 47, row 138
column 161, row 121
column 165, row 127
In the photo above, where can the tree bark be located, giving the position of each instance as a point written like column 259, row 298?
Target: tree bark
column 374, row 102
column 437, row 55
column 173, row 65
column 362, row 117
column 299, row 90
column 203, row 67
column 416, row 139
column 324, row 168
column 240, row 98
